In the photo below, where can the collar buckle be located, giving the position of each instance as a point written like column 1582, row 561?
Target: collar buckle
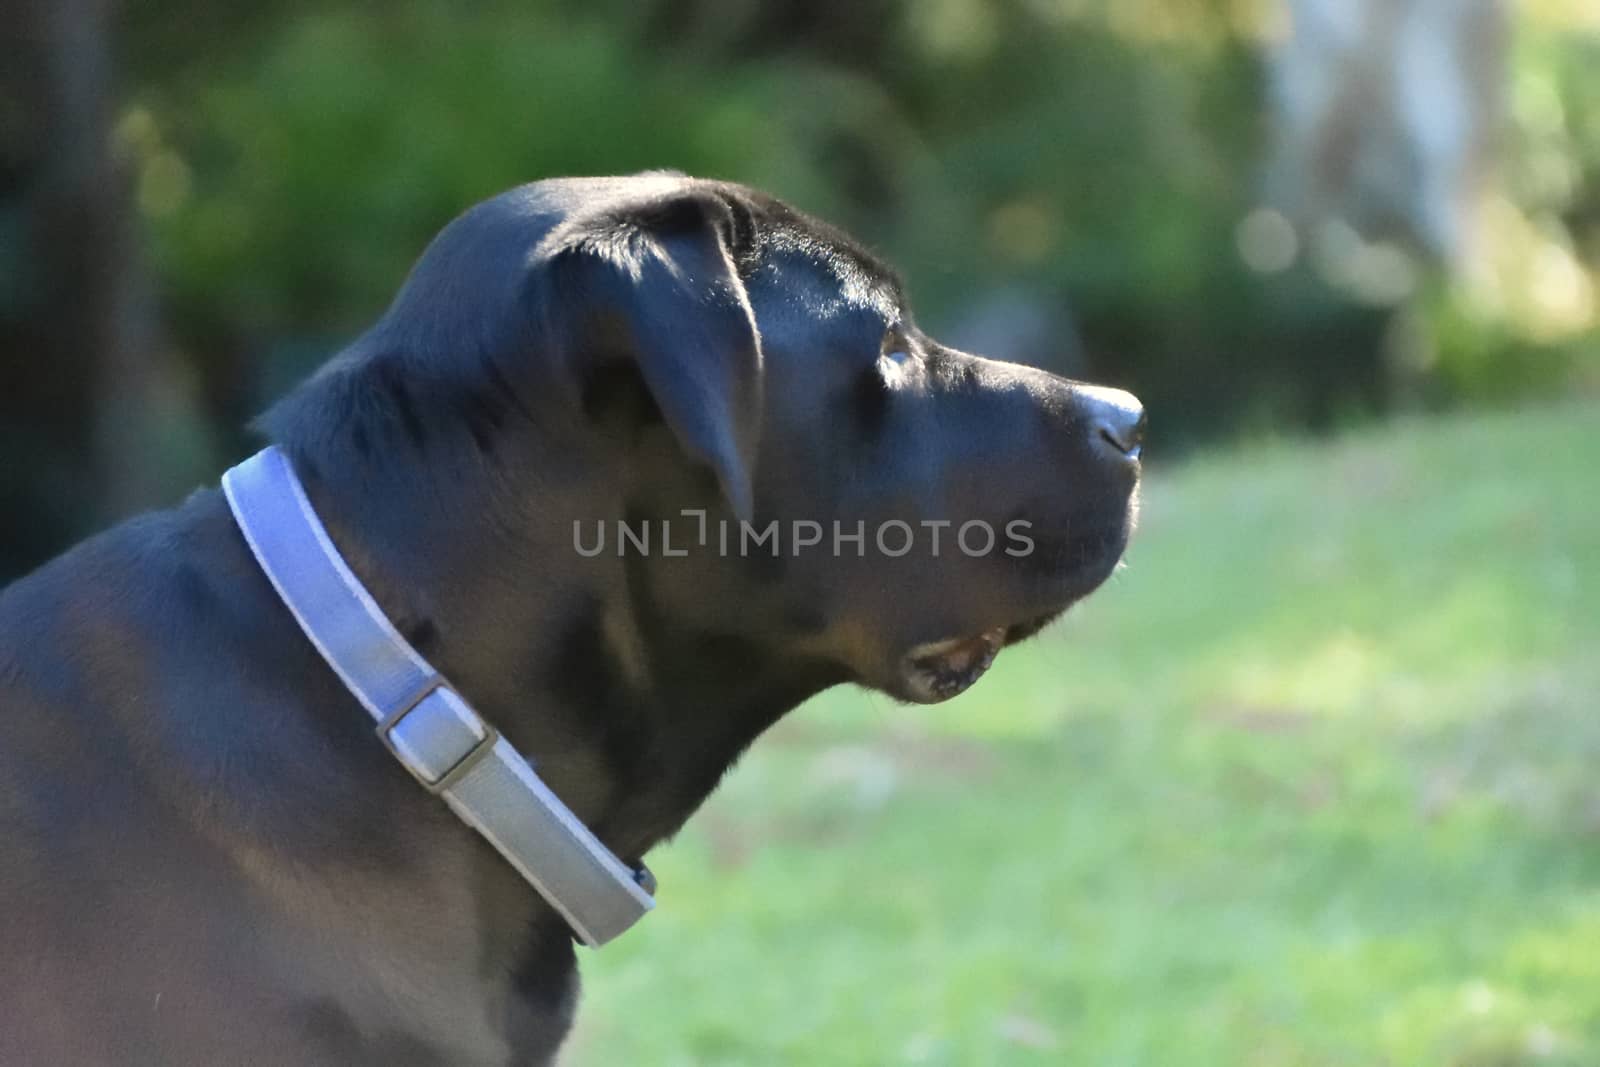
column 435, row 699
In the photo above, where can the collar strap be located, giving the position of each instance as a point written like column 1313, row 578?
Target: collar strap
column 432, row 731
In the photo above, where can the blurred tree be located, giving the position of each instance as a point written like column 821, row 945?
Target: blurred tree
column 94, row 420
column 1386, row 114
column 73, row 327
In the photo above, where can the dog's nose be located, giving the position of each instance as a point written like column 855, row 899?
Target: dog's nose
column 1116, row 419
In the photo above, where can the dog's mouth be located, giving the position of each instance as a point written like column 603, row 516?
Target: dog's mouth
column 936, row 671
column 939, row 670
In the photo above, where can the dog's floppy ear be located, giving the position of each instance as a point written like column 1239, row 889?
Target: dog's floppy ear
column 655, row 281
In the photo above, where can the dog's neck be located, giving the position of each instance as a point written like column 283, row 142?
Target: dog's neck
column 632, row 722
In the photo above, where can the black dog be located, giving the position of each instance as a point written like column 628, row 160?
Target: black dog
column 205, row 855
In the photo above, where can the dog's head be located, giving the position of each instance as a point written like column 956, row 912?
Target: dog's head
column 747, row 390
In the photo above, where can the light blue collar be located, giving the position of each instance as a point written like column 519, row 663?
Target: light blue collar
column 432, row 731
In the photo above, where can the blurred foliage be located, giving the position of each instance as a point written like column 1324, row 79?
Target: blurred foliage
column 1096, row 158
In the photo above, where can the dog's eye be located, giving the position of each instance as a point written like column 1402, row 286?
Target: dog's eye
column 895, row 355
column 893, row 349
column 894, row 366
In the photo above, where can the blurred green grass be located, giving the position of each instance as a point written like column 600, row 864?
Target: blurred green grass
column 1312, row 781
